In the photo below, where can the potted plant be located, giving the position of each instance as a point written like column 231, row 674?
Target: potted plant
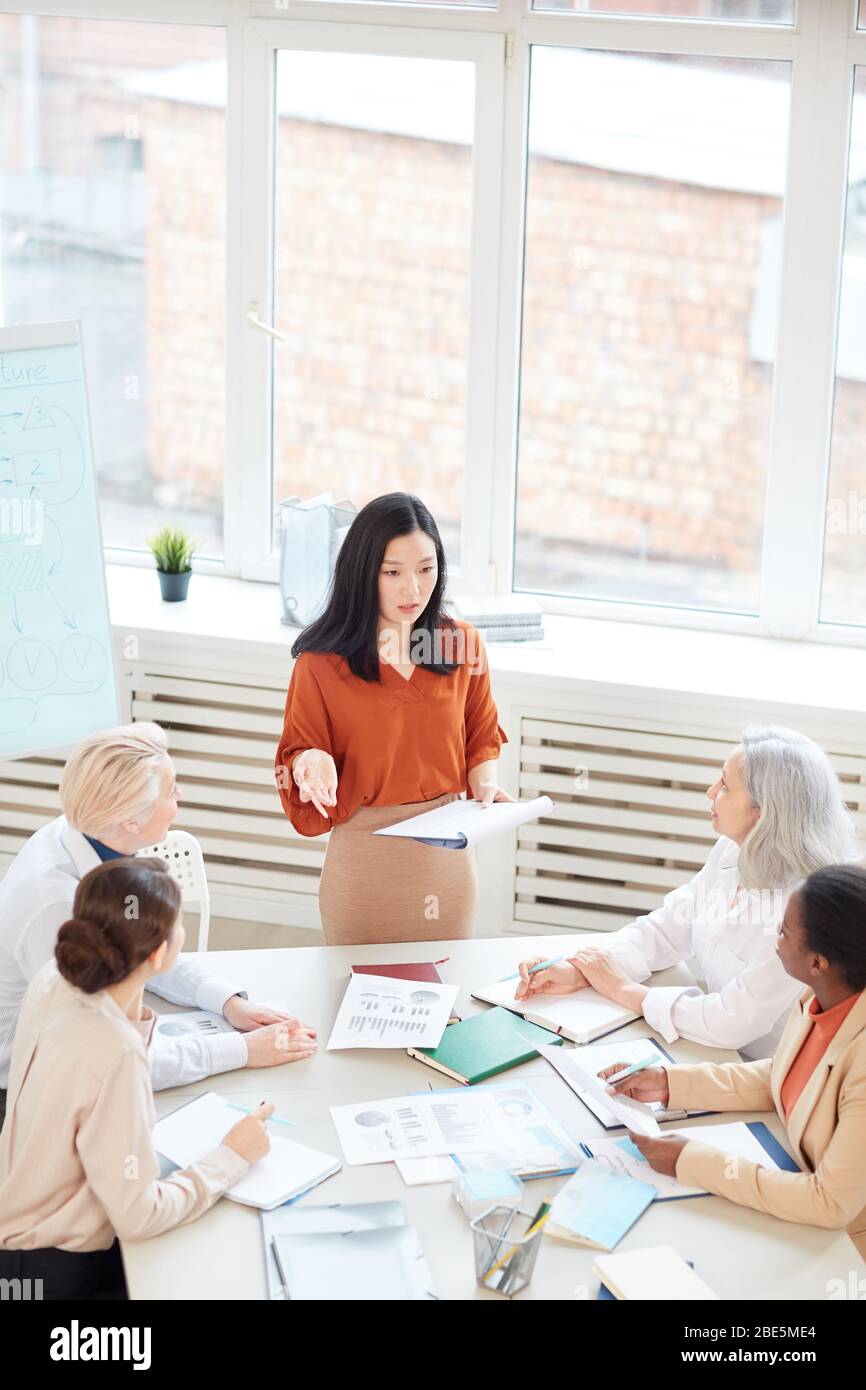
column 173, row 550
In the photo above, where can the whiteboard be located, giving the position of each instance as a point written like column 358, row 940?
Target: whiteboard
column 57, row 679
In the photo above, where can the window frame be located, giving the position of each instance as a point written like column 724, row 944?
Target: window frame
column 823, row 46
column 263, row 39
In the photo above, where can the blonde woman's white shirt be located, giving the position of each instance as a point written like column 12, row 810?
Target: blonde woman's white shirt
column 732, row 936
column 77, row 1162
column 36, row 896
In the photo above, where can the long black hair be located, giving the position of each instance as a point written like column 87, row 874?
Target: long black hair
column 833, row 915
column 349, row 624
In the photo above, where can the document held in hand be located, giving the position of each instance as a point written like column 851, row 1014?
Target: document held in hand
column 463, row 823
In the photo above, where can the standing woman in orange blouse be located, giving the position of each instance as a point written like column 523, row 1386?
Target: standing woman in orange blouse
column 389, row 713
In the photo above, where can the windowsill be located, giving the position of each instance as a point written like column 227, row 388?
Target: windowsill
column 605, row 655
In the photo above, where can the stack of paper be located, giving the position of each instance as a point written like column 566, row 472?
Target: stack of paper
column 502, row 617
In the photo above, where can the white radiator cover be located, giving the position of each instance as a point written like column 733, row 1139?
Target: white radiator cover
column 631, row 819
column 611, row 849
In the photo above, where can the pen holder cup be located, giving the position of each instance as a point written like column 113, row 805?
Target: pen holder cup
column 504, row 1255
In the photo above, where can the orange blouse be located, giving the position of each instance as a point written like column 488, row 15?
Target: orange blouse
column 394, row 740
column 825, row 1026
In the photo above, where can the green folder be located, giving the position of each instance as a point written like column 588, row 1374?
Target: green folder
column 484, row 1045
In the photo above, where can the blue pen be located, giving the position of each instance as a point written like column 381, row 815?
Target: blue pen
column 630, row 1071
column 277, row 1119
column 542, row 965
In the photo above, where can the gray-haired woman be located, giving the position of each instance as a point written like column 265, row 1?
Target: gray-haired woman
column 778, row 809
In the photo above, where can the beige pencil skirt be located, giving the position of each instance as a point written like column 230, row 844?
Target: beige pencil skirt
column 377, row 889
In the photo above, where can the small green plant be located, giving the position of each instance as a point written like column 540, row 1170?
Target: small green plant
column 173, row 550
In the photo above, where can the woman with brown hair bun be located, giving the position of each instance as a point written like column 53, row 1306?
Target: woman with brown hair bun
column 77, row 1163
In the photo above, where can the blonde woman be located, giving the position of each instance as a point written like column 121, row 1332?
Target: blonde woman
column 77, row 1164
column 779, row 814
column 119, row 795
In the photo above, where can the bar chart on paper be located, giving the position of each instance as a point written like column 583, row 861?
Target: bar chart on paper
column 56, row 672
column 380, row 1011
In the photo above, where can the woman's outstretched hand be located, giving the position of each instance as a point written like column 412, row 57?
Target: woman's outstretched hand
column 315, row 775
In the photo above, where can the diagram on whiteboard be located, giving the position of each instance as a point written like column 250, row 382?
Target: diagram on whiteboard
column 56, row 674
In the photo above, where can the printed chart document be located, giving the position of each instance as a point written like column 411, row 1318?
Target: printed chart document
column 379, row 1011
column 505, row 1121
column 579, row 1068
column 751, row 1141
column 285, row 1171
column 196, row 1023
column 463, row 823
column 623, row 1157
column 201, row 1023
column 634, row 1114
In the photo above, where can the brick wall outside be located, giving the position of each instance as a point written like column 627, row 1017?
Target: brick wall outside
column 644, row 419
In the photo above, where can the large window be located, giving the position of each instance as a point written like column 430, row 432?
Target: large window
column 112, row 211
column 373, row 206
column 844, row 584
column 752, row 11
column 648, row 325
column 586, row 275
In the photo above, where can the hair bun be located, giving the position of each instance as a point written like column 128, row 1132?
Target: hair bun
column 86, row 957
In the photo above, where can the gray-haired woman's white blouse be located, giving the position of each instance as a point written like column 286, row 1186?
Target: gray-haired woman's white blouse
column 732, row 935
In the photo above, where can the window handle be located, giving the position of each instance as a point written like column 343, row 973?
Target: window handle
column 253, row 317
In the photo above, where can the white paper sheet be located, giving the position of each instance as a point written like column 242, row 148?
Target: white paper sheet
column 616, row 1154
column 380, row 1011
column 634, row 1113
column 736, row 1139
column 198, row 1023
column 202, row 1023
column 468, row 822
column 500, row 1121
column 419, row 1172
column 573, row 1064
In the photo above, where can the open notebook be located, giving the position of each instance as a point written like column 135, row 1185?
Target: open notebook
column 580, row 1016
column 463, row 823
column 285, row 1171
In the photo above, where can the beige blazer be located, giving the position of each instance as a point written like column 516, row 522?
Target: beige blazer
column 826, row 1128
column 77, row 1162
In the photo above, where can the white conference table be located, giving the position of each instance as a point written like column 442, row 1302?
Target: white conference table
column 740, row 1253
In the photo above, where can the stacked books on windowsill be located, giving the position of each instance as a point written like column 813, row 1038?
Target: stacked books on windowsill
column 502, row 617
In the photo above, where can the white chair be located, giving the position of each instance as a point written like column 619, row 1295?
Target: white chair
column 182, row 853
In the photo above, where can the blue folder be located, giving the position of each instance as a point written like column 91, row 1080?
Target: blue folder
column 768, row 1142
